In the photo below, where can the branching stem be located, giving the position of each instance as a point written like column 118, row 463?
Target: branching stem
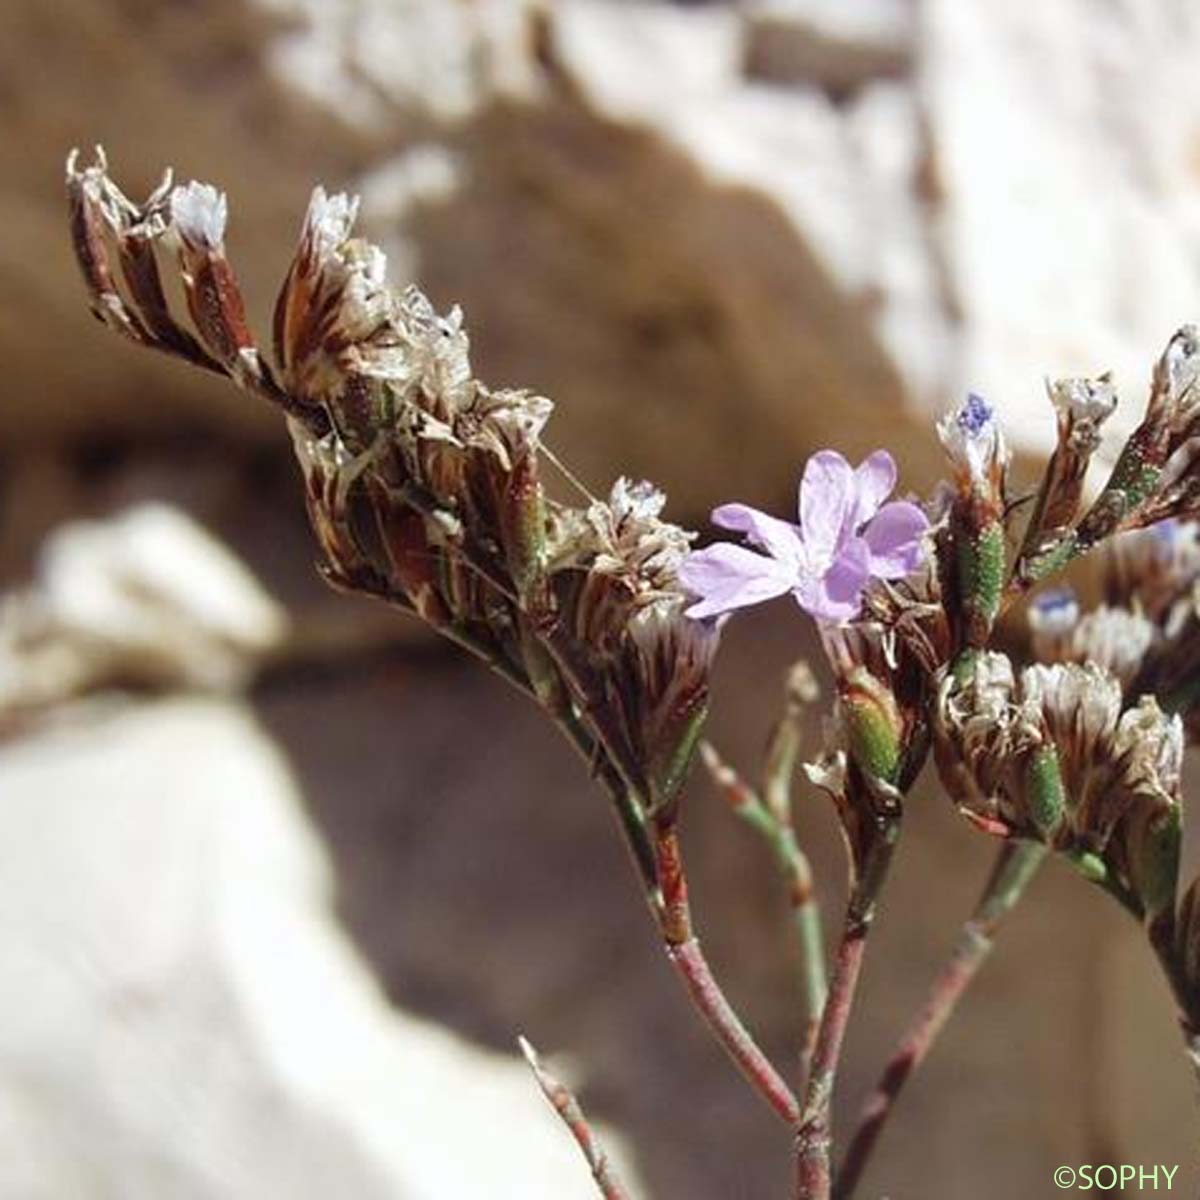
column 814, row 1133
column 1016, row 865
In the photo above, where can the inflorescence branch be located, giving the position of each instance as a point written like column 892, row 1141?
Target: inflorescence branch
column 424, row 489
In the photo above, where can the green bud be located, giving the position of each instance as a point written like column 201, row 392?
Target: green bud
column 873, row 725
column 981, row 566
column 1133, row 476
column 1044, row 792
column 1133, row 479
column 1042, row 565
column 963, row 669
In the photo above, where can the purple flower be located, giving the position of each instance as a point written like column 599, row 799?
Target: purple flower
column 845, row 537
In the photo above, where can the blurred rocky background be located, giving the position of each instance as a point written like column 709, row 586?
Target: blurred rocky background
column 279, row 879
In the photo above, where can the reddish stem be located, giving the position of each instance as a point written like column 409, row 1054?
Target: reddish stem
column 1015, row 867
column 686, row 957
column 814, row 1136
column 608, row 1181
column 708, row 998
column 943, row 997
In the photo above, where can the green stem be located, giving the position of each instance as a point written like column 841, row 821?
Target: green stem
column 810, row 936
column 767, row 818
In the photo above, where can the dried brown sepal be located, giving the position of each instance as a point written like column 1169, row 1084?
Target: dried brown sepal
column 1081, row 406
column 192, row 218
column 1156, row 474
column 86, row 196
column 423, row 485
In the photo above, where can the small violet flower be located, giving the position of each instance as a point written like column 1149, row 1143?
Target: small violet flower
column 973, row 440
column 846, row 536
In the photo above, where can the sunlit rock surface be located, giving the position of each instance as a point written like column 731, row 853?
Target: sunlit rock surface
column 182, row 1014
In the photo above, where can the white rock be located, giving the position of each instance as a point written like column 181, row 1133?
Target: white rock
column 844, row 172
column 145, row 596
column 113, row 576
column 1014, row 187
column 367, row 59
column 180, row 1014
column 1066, row 137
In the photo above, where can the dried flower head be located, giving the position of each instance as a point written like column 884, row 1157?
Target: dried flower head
column 1053, row 757
column 1081, row 406
column 1113, row 638
column 1052, row 615
column 423, row 485
column 1150, row 570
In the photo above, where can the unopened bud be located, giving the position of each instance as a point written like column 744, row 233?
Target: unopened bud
column 981, row 566
column 1044, row 792
column 874, row 726
column 523, row 524
column 1090, row 866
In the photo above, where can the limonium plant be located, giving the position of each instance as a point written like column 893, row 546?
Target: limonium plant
column 426, row 488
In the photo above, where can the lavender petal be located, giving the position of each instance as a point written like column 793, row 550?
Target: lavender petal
column 894, row 539
column 837, row 594
column 778, row 538
column 725, row 577
column 874, row 479
column 827, row 497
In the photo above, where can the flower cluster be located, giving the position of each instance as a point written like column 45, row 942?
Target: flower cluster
column 424, row 488
column 1147, row 630
column 423, row 484
column 1050, row 755
column 1156, row 476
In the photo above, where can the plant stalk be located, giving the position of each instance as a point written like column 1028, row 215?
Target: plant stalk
column 608, row 1180
column 685, row 955
column 1015, row 866
column 814, row 1133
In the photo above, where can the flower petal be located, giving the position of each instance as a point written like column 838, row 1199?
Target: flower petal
column 894, row 539
column 874, row 479
column 726, row 577
column 780, row 539
column 827, row 494
column 837, row 595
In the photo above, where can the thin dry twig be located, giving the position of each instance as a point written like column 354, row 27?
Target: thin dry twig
column 563, row 1100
